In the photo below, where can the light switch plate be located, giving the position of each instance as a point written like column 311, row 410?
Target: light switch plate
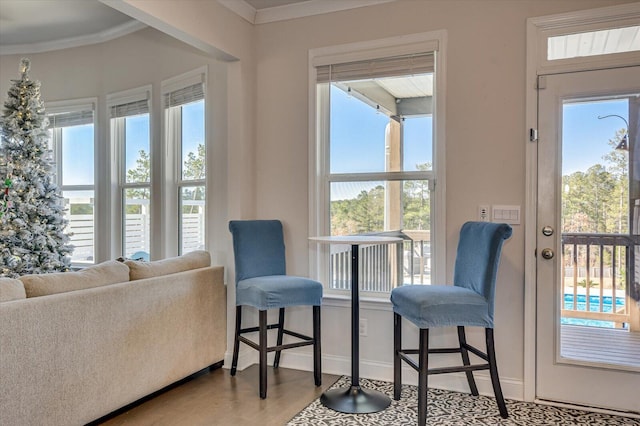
column 506, row 214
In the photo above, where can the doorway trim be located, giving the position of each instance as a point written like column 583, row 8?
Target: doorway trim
column 538, row 30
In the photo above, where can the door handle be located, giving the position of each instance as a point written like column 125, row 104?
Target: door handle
column 547, row 253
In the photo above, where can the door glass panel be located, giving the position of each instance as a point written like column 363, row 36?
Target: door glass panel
column 598, row 205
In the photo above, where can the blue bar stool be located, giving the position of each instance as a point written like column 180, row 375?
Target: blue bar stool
column 468, row 302
column 261, row 282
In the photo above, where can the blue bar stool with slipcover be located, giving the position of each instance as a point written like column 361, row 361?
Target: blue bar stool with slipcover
column 261, row 282
column 468, row 302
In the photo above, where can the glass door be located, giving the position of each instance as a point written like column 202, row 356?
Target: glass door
column 588, row 247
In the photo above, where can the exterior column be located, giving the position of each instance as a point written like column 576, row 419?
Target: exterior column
column 393, row 163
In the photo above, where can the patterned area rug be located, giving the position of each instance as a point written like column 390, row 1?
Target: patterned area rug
column 447, row 408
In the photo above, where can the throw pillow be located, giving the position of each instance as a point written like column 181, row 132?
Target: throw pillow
column 192, row 260
column 105, row 273
column 11, row 289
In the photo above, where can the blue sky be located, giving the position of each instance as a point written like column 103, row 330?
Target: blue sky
column 357, row 133
column 78, row 149
column 193, row 127
column 358, row 138
column 137, row 137
column 585, row 137
column 77, row 155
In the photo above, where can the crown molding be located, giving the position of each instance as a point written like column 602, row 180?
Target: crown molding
column 310, row 8
column 241, row 8
column 295, row 10
column 106, row 35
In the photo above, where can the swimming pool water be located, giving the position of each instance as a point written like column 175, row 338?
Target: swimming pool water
column 594, row 306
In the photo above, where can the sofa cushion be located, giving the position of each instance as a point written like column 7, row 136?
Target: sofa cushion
column 105, row 273
column 192, row 260
column 11, row 289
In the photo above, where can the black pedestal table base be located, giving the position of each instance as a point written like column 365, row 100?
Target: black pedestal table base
column 355, row 400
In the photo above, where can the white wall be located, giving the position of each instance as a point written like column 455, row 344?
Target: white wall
column 267, row 128
column 485, row 147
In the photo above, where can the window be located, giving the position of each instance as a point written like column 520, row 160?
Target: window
column 71, row 127
column 585, row 40
column 130, row 135
column 184, row 106
column 593, row 43
column 376, row 166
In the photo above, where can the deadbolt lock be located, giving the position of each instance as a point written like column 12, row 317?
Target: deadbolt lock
column 547, row 231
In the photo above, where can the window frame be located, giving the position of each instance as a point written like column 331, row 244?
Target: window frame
column 172, row 137
column 319, row 173
column 69, row 106
column 117, row 137
column 540, row 29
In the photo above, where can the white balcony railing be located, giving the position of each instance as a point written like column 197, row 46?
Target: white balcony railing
column 137, row 231
column 379, row 270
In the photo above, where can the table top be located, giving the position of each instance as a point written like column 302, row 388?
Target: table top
column 356, row 239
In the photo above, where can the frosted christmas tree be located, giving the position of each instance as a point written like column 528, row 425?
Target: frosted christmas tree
column 32, row 226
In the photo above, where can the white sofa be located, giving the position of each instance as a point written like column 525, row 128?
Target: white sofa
column 76, row 346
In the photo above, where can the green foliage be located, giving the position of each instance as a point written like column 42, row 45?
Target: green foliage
column 133, row 209
column 142, row 172
column 592, row 283
column 80, row 209
column 366, row 212
column 194, row 167
column 416, row 203
column 597, row 200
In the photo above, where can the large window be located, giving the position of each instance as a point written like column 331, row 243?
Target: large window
column 184, row 105
column 72, row 136
column 375, row 173
column 130, row 136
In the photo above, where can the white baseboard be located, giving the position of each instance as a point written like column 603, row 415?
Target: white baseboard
column 457, row 382
column 246, row 358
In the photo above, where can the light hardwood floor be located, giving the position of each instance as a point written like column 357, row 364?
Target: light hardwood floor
column 216, row 398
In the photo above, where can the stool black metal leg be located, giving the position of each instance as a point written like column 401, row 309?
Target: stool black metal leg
column 465, row 360
column 236, row 341
column 317, row 353
column 262, row 331
column 276, row 360
column 423, row 373
column 397, row 361
column 493, row 369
